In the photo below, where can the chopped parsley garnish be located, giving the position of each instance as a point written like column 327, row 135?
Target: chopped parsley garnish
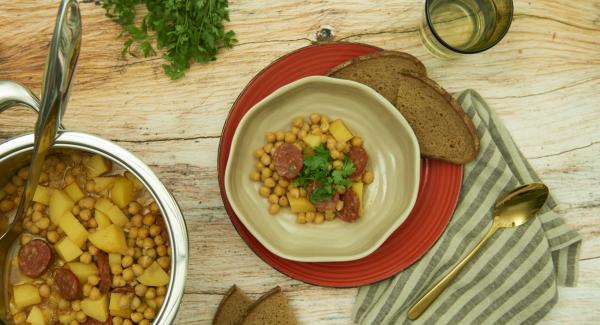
column 317, row 169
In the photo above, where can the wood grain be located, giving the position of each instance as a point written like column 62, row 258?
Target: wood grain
column 543, row 79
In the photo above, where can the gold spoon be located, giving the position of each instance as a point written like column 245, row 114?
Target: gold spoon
column 512, row 210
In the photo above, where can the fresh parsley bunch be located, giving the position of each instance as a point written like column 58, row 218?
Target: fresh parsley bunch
column 317, row 169
column 187, row 30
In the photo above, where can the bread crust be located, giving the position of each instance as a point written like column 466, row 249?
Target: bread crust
column 375, row 55
column 458, row 110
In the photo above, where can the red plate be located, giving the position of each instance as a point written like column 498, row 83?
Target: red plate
column 438, row 190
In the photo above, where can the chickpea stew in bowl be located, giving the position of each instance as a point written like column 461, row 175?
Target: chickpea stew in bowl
column 375, row 139
column 317, row 168
column 94, row 248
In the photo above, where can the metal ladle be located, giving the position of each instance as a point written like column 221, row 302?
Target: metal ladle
column 56, row 86
column 514, row 209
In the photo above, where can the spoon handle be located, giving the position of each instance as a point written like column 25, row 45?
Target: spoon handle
column 423, row 303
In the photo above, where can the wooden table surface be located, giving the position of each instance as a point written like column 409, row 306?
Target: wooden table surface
column 543, row 79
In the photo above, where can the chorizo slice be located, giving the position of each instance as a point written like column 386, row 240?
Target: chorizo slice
column 349, row 212
column 67, row 283
column 35, row 258
column 104, row 270
column 288, row 160
column 360, row 158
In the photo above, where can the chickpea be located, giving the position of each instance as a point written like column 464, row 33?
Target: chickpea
column 258, row 153
column 85, row 258
column 87, row 203
column 93, row 279
column 315, row 118
column 310, row 216
column 269, row 182
column 264, row 191
column 265, row 159
column 81, row 317
column 329, row 215
column 94, row 293
column 301, row 218
column 270, row 137
column 279, row 135
column 140, row 290
column 136, row 302
column 164, row 262
column 136, row 317
column 149, row 313
column 356, row 141
column 44, row 291
column 283, row 201
column 274, row 208
column 279, row 191
column 85, row 214
column 368, row 177
column 148, row 220
column 290, row 137
column 319, row 218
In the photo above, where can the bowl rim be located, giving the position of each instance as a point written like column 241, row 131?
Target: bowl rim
column 339, row 82
column 169, row 207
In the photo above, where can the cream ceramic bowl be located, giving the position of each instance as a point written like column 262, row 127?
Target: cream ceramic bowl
column 394, row 159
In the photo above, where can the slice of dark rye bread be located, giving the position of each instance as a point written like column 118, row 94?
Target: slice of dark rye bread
column 271, row 308
column 233, row 307
column 379, row 71
column 442, row 128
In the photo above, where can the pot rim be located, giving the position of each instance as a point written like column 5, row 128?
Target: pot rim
column 169, row 208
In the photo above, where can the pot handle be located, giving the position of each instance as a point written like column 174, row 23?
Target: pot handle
column 14, row 94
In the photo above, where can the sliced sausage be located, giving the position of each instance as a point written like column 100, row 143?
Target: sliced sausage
column 349, row 212
column 288, row 160
column 104, row 270
column 328, row 205
column 35, row 258
column 67, row 283
column 359, row 157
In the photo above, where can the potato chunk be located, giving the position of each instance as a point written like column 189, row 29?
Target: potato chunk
column 74, row 230
column 122, row 192
column 83, row 271
column 26, row 295
column 67, row 249
column 154, row 276
column 111, row 211
column 300, row 204
column 312, row 140
column 97, row 165
column 96, row 309
column 110, row 239
column 115, row 308
column 58, row 205
column 339, row 131
column 102, row 219
column 358, row 189
column 42, row 195
column 74, row 192
column 36, row 317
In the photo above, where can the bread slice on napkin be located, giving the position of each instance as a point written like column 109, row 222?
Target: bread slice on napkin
column 232, row 308
column 442, row 128
column 271, row 308
column 379, row 71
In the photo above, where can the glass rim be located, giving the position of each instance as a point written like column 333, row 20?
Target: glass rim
column 485, row 48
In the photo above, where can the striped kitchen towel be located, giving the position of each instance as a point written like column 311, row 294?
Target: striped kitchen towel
column 513, row 279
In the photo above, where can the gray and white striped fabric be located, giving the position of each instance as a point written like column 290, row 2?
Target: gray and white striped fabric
column 513, row 279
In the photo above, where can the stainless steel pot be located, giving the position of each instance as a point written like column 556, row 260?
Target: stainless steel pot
column 16, row 153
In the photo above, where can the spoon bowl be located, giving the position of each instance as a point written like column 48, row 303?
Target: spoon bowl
column 512, row 210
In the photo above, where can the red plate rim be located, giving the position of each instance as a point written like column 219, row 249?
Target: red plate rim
column 440, row 182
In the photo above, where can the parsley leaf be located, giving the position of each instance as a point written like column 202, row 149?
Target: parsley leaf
column 185, row 30
column 317, row 169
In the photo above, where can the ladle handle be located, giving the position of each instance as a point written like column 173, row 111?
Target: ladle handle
column 426, row 300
